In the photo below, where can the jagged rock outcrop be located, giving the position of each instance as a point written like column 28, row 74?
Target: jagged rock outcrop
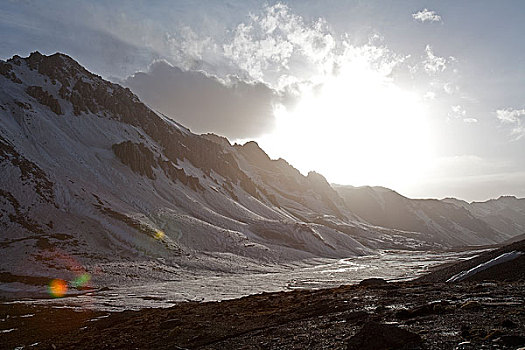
column 29, row 171
column 7, row 71
column 43, row 97
column 137, row 156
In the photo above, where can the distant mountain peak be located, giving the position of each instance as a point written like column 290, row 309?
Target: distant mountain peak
column 507, row 197
column 315, row 176
column 55, row 66
column 221, row 140
column 252, row 150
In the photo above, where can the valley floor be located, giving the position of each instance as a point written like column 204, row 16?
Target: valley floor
column 467, row 315
column 150, row 284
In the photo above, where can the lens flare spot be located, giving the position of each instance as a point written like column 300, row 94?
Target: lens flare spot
column 159, row 234
column 81, row 281
column 57, row 288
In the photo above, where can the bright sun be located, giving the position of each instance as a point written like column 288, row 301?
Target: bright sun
column 358, row 128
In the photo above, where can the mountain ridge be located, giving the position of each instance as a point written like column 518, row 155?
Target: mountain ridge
column 91, row 171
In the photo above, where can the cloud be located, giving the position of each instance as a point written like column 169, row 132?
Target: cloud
column 277, row 44
column 433, row 64
column 437, row 74
column 514, row 117
column 510, row 115
column 426, row 16
column 284, row 50
column 458, row 112
column 235, row 109
column 277, row 57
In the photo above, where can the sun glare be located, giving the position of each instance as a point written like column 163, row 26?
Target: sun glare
column 358, row 128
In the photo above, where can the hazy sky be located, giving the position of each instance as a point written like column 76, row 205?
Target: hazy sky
column 425, row 97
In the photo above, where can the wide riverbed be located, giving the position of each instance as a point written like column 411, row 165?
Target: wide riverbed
column 211, row 286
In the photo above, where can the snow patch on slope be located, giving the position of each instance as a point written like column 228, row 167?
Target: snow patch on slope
column 486, row 265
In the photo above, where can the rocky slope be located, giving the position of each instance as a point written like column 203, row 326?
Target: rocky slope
column 503, row 264
column 93, row 181
column 505, row 214
column 449, row 220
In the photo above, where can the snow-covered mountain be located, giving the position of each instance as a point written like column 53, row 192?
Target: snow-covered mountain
column 449, row 220
column 505, row 214
column 90, row 176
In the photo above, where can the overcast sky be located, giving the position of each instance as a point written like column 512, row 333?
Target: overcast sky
column 425, row 97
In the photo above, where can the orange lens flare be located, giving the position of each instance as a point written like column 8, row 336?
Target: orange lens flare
column 57, row 288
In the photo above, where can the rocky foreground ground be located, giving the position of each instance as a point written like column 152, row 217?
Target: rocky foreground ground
column 486, row 311
column 373, row 315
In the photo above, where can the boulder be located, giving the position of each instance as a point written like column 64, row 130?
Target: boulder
column 377, row 336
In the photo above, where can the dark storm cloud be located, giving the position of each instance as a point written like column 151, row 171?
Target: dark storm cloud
column 236, row 109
